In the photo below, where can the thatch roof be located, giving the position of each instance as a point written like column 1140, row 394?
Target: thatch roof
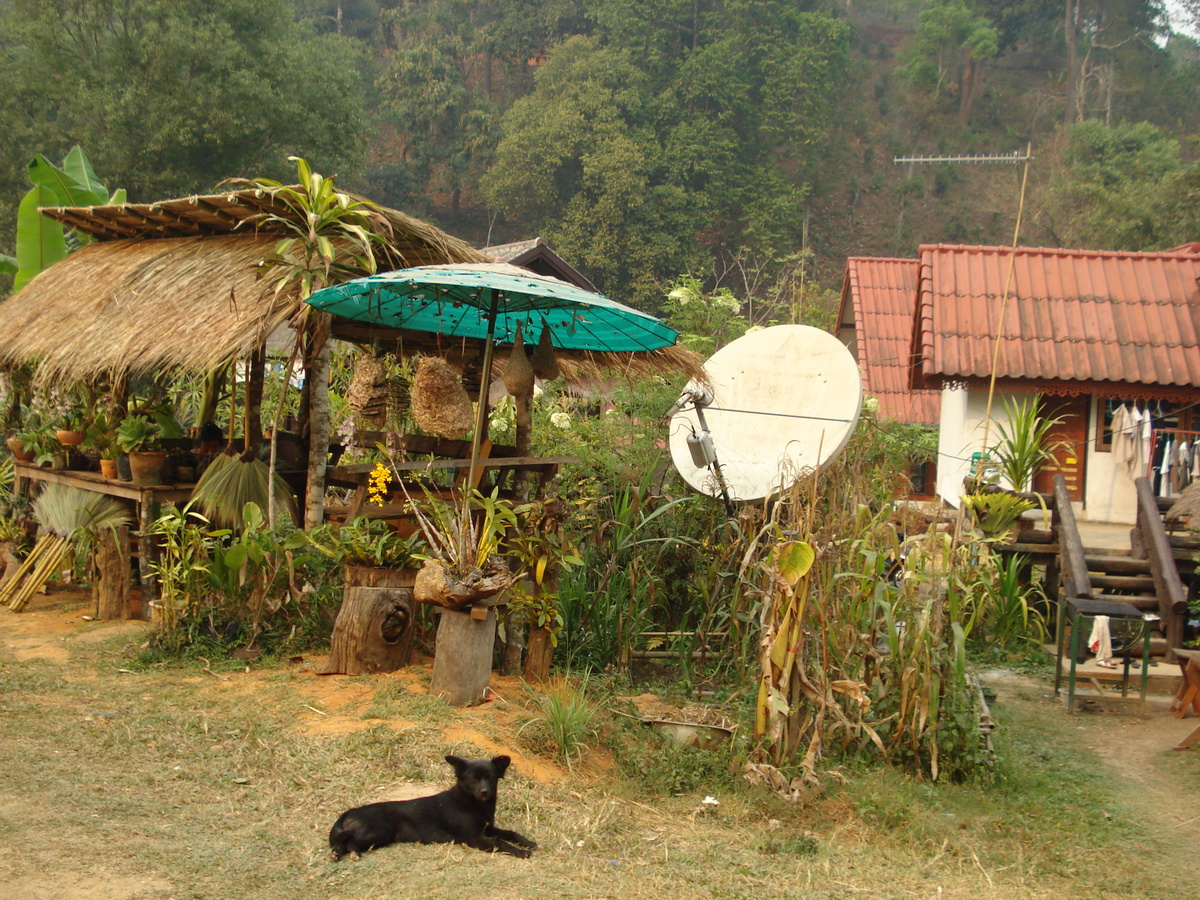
column 172, row 285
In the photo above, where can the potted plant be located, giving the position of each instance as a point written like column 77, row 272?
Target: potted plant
column 71, row 429
column 138, row 437
column 374, row 627
column 37, row 442
column 102, row 438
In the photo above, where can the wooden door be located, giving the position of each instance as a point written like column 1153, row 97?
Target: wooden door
column 1073, row 430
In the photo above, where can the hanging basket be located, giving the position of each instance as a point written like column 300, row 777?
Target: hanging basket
column 439, row 403
column 518, row 374
column 367, row 395
column 545, row 366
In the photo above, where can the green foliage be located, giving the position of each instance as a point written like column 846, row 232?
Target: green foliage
column 365, row 542
column 995, row 513
column 705, row 322
column 1009, row 616
column 265, row 587
column 663, row 765
column 629, row 150
column 41, row 241
column 567, row 720
column 332, row 236
column 1025, row 444
column 1113, row 188
column 137, row 433
column 171, row 97
column 38, row 437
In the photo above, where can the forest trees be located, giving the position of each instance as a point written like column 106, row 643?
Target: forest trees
column 171, row 96
column 684, row 131
column 948, row 54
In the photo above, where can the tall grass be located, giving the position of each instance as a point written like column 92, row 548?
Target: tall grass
column 567, row 720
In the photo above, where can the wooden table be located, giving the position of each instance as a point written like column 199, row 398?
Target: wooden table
column 145, row 496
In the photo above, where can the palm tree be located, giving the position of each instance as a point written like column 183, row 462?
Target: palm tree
column 332, row 238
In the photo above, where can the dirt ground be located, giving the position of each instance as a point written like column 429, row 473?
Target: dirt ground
column 55, row 629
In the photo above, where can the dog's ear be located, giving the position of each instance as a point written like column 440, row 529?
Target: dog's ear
column 459, row 764
column 500, row 764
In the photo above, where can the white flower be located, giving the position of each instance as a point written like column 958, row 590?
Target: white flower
column 724, row 299
column 560, row 419
column 682, row 295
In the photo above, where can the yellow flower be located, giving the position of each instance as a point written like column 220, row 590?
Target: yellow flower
column 377, row 483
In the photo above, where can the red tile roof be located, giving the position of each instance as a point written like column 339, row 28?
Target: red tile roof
column 881, row 294
column 1071, row 316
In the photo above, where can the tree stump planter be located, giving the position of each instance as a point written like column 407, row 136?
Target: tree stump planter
column 462, row 661
column 373, row 632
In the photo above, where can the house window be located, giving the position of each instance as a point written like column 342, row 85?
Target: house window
column 1166, row 416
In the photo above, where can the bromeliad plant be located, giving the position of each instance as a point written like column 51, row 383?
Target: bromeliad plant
column 463, row 561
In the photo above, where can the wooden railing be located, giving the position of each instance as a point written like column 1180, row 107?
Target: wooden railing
column 1075, row 581
column 1150, row 542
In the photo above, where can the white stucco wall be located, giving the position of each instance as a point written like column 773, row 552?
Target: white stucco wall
column 1109, row 494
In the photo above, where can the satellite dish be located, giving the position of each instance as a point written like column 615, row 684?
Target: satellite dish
column 781, row 400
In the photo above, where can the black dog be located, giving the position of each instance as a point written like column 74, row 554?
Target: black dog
column 464, row 814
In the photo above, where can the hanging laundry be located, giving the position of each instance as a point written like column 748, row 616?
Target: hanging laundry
column 1100, row 641
column 1122, row 437
column 1181, row 471
column 1164, row 467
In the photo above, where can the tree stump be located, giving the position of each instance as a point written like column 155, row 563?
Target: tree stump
column 462, row 662
column 374, row 627
column 537, row 657
column 112, row 590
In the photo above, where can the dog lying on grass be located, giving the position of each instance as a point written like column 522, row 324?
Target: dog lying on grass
column 464, row 814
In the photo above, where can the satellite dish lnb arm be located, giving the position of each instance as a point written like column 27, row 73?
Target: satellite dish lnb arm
column 699, row 398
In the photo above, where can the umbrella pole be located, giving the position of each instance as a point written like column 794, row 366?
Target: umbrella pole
column 485, row 389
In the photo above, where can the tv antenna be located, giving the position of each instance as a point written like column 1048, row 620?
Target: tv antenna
column 1015, row 157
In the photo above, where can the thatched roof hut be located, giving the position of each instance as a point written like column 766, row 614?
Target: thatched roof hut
column 172, row 285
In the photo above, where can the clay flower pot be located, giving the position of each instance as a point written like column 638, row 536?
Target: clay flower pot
column 17, row 446
column 70, row 438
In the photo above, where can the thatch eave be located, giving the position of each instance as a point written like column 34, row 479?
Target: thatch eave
column 174, row 286
column 134, row 306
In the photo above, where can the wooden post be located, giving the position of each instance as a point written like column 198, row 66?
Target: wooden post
column 112, row 591
column 146, row 510
column 462, row 664
column 374, row 628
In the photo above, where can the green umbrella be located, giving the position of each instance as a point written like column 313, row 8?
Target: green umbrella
column 488, row 301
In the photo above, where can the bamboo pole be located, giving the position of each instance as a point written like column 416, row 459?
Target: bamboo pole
column 10, row 586
column 50, row 559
